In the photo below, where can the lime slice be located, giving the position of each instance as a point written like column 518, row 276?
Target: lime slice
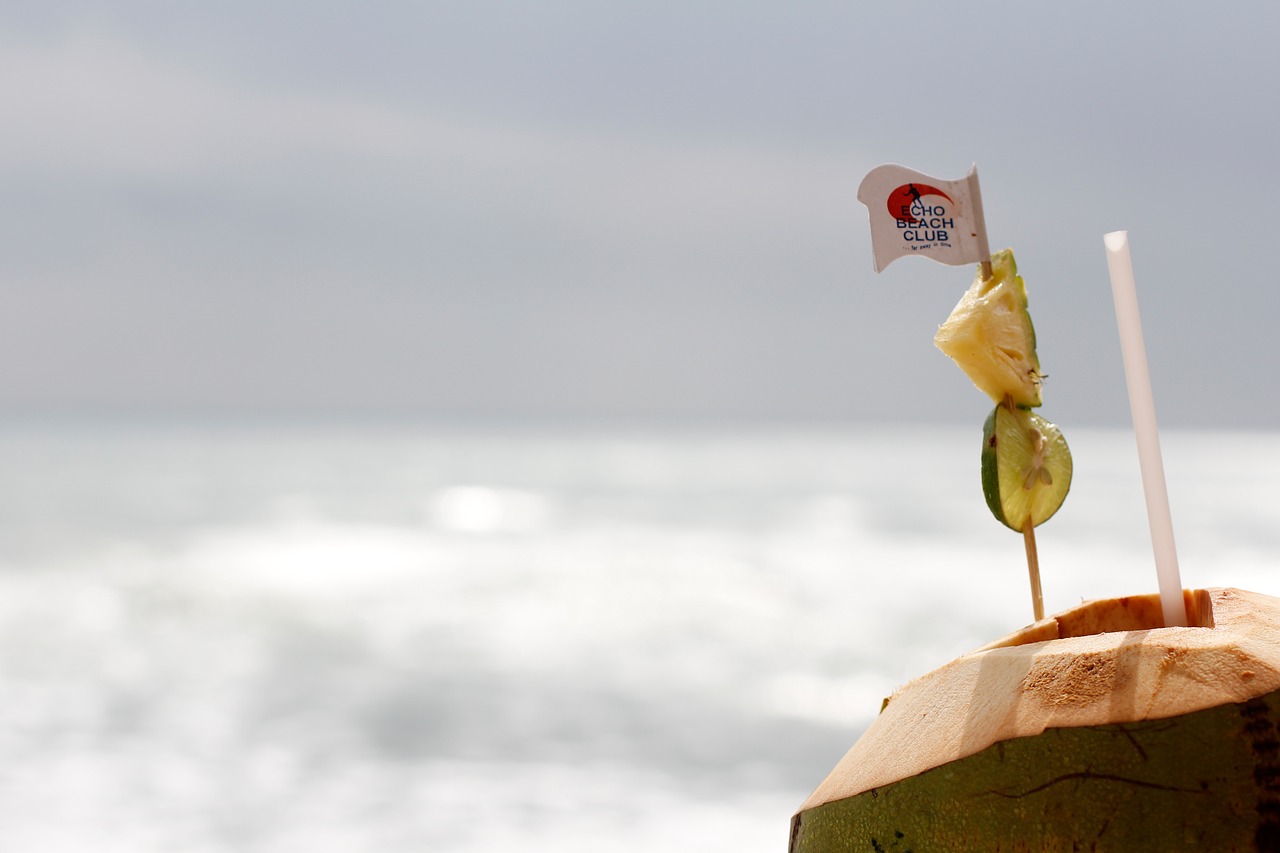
column 990, row 336
column 1026, row 466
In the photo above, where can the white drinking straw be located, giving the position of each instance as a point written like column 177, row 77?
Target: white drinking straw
column 1143, row 408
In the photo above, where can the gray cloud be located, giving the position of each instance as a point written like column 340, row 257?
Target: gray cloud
column 633, row 212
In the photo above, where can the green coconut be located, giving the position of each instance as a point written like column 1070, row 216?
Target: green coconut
column 1092, row 730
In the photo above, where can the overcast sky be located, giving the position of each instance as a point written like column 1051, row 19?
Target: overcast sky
column 621, row 211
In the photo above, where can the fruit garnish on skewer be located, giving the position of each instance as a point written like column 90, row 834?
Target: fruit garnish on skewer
column 1026, row 465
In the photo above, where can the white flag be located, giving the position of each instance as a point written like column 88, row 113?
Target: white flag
column 913, row 213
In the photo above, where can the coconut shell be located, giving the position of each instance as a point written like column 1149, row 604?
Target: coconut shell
column 1092, row 729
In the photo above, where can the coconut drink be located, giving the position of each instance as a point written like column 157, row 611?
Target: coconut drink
column 1095, row 729
column 1141, row 723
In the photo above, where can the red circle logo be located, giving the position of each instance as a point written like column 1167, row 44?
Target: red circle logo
column 902, row 199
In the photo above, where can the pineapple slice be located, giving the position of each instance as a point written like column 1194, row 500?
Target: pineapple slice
column 990, row 336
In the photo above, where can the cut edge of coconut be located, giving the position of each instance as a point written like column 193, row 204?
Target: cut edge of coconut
column 1130, row 613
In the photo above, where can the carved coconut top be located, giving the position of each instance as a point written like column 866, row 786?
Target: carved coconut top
column 1103, row 662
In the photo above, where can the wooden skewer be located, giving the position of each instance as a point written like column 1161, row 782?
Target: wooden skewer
column 1033, row 568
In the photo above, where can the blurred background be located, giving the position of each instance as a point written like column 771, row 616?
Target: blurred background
column 479, row 427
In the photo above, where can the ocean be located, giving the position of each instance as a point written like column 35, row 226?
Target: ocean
column 405, row 638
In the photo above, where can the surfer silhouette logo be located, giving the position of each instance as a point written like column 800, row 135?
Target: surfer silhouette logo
column 905, row 201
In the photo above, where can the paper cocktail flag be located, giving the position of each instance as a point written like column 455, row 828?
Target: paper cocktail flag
column 912, row 213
